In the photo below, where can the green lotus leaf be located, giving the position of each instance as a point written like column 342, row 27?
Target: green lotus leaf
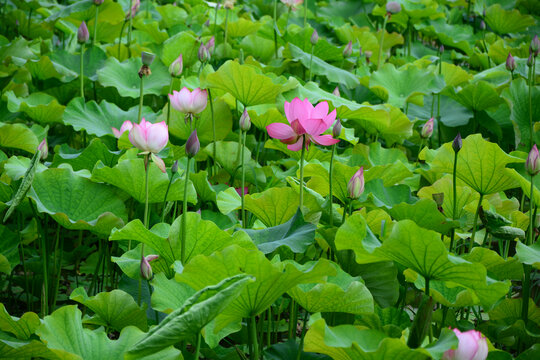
column 203, row 124
column 76, row 202
column 382, row 284
column 9, row 248
column 124, row 77
column 481, row 165
column 228, row 156
column 340, row 293
column 45, row 68
column 151, row 28
column 242, row 27
column 529, row 254
column 322, row 68
column 187, row 321
column 354, row 235
column 452, row 113
column 18, row 136
column 506, row 318
column 341, row 176
column 204, row 189
column 22, row 328
column 16, row 167
column 497, row 267
column 228, row 200
column 377, row 195
column 40, row 107
column 129, row 175
column 130, row 261
column 115, row 309
column 13, row 348
column 171, row 15
column 87, row 158
column 244, row 83
column 451, row 35
column 65, row 11
column 425, row 214
column 296, row 234
column 65, row 336
column 324, row 50
column 477, row 96
column 505, row 22
column 182, row 43
column 399, row 86
column 347, row 342
column 93, row 60
column 169, row 294
column 274, row 206
column 272, row 278
column 289, row 350
column 259, row 47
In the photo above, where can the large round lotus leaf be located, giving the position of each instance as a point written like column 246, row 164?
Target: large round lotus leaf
column 244, row 83
column 182, row 43
column 425, row 214
column 452, row 113
column 242, row 27
column 505, row 22
column 45, row 68
column 454, row 36
column 18, row 136
column 76, row 202
column 99, row 119
column 399, row 86
column 93, row 60
column 477, row 96
column 40, row 107
column 529, row 254
column 124, row 77
column 129, row 175
column 87, row 158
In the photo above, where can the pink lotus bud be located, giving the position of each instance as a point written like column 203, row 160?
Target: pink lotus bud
column 211, row 45
column 457, row 143
column 245, row 121
column 134, row 8
column 510, row 63
column 441, row 49
column 472, row 346
column 159, row 162
column 534, row 48
column 44, row 148
column 348, row 50
column 149, row 137
column 189, row 102
column 314, row 37
column 482, row 25
column 239, row 190
column 82, row 33
column 98, row 2
column 336, row 92
column 147, row 58
column 533, row 165
column 530, row 60
column 126, row 126
column 355, row 187
column 336, row 130
column 176, row 67
column 174, row 167
column 192, row 144
column 203, row 53
column 146, row 268
column 427, row 129
column 393, row 7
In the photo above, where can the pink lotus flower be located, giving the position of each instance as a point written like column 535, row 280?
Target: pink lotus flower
column 239, row 190
column 306, row 122
column 149, row 137
column 189, row 102
column 472, row 346
column 126, row 126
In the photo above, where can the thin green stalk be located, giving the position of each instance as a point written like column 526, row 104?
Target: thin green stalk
column 275, row 30
column 302, row 156
column 150, row 292
column 454, row 196
column 526, row 288
column 419, row 151
column 21, row 257
column 311, row 61
column 226, row 32
column 120, row 38
column 55, row 262
column 81, row 76
column 29, row 22
column 184, row 215
column 330, row 192
column 129, row 28
column 44, row 260
column 475, row 221
column 269, row 326
column 96, row 270
column 197, row 347
column 305, row 12
column 215, row 17
column 292, row 319
column 214, row 139
column 169, row 102
column 146, row 165
column 409, row 38
column 254, row 339
column 302, row 336
column 531, row 84
column 95, row 26
column 382, row 41
column 485, row 47
column 243, row 182
column 165, row 198
column 287, row 21
column 141, row 97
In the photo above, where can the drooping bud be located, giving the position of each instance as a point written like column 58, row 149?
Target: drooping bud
column 336, row 130
column 457, row 143
column 427, row 129
column 336, row 92
column 159, row 162
column 176, row 67
column 510, row 63
column 44, row 148
column 355, row 187
column 146, row 268
column 534, row 48
column 192, row 144
column 82, row 33
column 393, row 7
column 348, row 50
column 147, row 58
column 533, row 162
column 314, row 37
column 203, row 53
column 174, row 167
column 245, row 121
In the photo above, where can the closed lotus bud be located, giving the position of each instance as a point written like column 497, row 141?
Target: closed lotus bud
column 314, row 37
column 245, row 121
column 203, row 53
column 147, row 58
column 457, row 143
column 530, row 60
column 82, row 33
column 510, row 63
column 44, row 148
column 533, row 164
column 482, row 25
column 441, row 49
column 146, row 268
column 393, row 7
column 207, row 23
column 472, row 345
column 427, row 129
column 355, row 187
column 211, row 45
column 98, row 2
column 176, row 67
column 336, row 92
column 336, row 130
column 534, row 48
column 174, row 167
column 192, row 144
column 348, row 50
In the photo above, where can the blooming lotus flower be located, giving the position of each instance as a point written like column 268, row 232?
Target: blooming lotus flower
column 427, row 129
column 307, row 123
column 355, row 187
column 472, row 346
column 189, row 102
column 146, row 268
column 149, row 137
column 533, row 164
column 82, row 33
column 126, row 126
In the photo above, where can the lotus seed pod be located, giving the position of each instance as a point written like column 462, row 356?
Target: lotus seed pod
column 147, row 58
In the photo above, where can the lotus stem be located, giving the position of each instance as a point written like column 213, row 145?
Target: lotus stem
column 214, row 148
column 292, row 319
column 382, row 41
column 254, row 339
column 305, row 12
column 21, row 257
column 243, row 182
column 120, row 38
column 150, row 292
column 454, row 196
column 287, row 22
column 184, row 215
column 475, row 221
column 311, row 61
column 146, row 166
column 129, row 28
column 197, row 346
column 330, row 192
column 526, row 288
column 531, row 84
column 165, row 198
column 141, row 97
column 226, row 32
column 302, row 156
column 169, row 102
column 29, row 22
column 95, row 26
column 81, row 76
column 302, row 336
column 275, row 30
column 44, row 260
